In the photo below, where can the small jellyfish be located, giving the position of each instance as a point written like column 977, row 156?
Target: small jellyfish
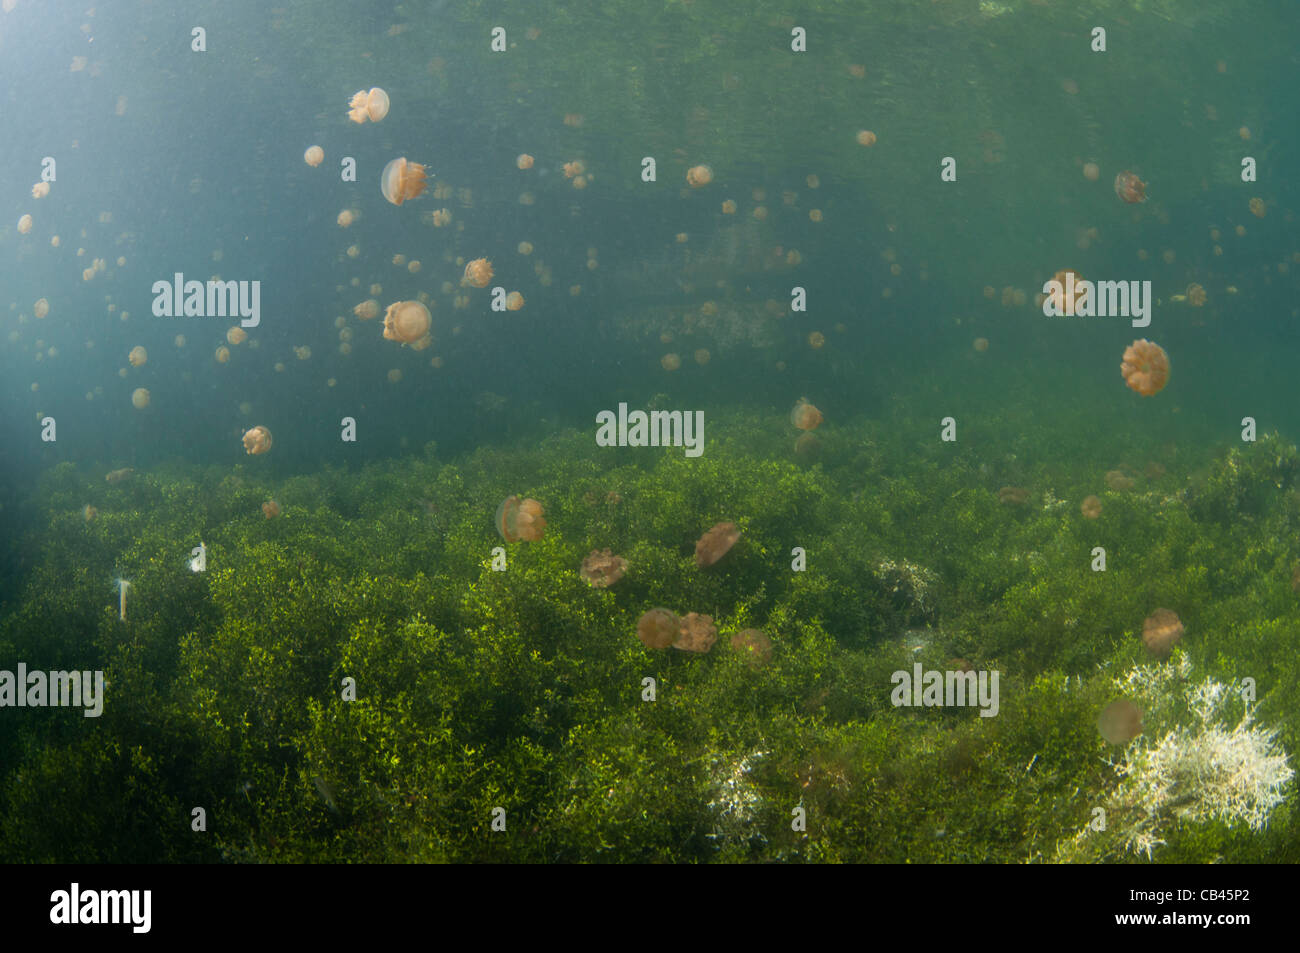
column 670, row 362
column 1119, row 481
column 346, row 218
column 138, row 356
column 407, row 322
column 1145, row 367
column 222, row 354
column 1013, row 496
column 367, row 310
column 24, row 225
column 1091, row 171
column 270, row 509
column 1091, row 507
column 140, row 398
column 805, row 416
column 524, row 161
column 372, row 105
column 866, row 137
column 602, row 568
column 1161, row 632
column 1130, row 188
column 715, row 544
column 753, row 645
column 658, row 628
column 816, row 340
column 728, row 207
column 698, row 176
column 575, row 168
column 702, row 356
column 40, row 190
column 402, row 180
column 236, row 335
column 514, row 301
column 314, row 156
column 1257, row 207
column 1120, row 722
column 518, row 519
column 478, row 273
column 1196, row 295
column 981, row 344
column 257, row 440
column 697, row 633
column 41, row 308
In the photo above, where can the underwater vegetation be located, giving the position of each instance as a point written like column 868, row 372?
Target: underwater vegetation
column 522, row 689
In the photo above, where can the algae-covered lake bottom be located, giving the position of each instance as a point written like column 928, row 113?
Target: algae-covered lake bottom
column 518, row 697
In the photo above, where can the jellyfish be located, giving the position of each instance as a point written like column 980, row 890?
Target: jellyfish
column 866, row 137
column 728, row 207
column 138, row 356
column 24, row 225
column 525, row 248
column 1061, row 282
column 1257, row 208
column 1130, row 188
column 367, row 310
column 236, row 335
column 1196, row 295
column 140, row 398
column 117, row 476
column 1013, row 496
column 702, row 356
column 518, row 519
column 602, row 568
column 981, row 345
column 40, row 190
column 1120, row 722
column 753, row 644
column 222, row 354
column 88, row 512
column 524, row 161
column 1161, row 632
column 314, row 156
column 1091, row 507
column 805, row 416
column 1119, row 481
column 407, row 322
column 1145, row 367
column 41, row 308
column 574, row 168
column 1091, row 171
column 670, row 361
column 698, row 176
column 478, row 273
column 257, row 440
column 371, row 105
column 270, row 509
column 715, row 544
column 808, row 446
column 658, row 628
column 395, row 375
column 816, row 340
column 402, row 180
column 514, row 301
column 697, row 633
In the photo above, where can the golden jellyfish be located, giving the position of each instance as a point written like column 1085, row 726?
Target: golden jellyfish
column 1130, row 188
column 523, row 161
column 702, row 356
column 580, row 182
column 525, row 248
column 1058, row 296
column 257, row 440
column 236, row 335
column 395, row 375
column 1145, row 367
column 815, row 215
column 805, row 416
column 440, row 217
column 270, row 509
column 372, row 105
column 314, row 156
column 367, row 310
column 41, row 308
column 1091, row 171
column 302, row 352
column 866, row 137
column 354, row 251
column 399, row 260
column 807, row 446
column 402, row 180
column 728, row 207
column 1013, row 496
column 478, row 273
column 518, row 519
column 715, row 544
column 574, row 168
column 816, row 340
column 1120, row 722
column 1195, row 295
column 1257, row 207
column 760, row 213
column 88, row 512
column 1091, row 507
column 40, row 190
column 697, row 633
column 670, row 362
column 602, row 568
column 406, row 321
column 698, row 176
column 138, row 356
column 413, row 266
column 222, row 354
column 1161, row 632
column 140, row 398
column 514, row 301
column 24, row 225
column 1244, row 132
column 981, row 344
column 753, row 645
column 346, row 218
column 658, row 628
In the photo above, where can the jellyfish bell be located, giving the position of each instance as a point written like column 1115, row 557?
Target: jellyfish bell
column 805, row 416
column 140, row 398
column 1091, row 507
column 658, row 628
column 1161, row 631
column 697, row 633
column 478, row 273
column 1120, row 722
column 257, row 440
column 1145, row 367
column 518, row 519
column 407, row 322
column 602, row 568
column 367, row 310
column 236, row 335
column 715, row 544
column 372, row 105
column 753, row 645
column 402, row 180
column 698, row 176
column 24, row 225
column 1130, row 188
column 138, row 356
column 270, row 509
column 314, row 156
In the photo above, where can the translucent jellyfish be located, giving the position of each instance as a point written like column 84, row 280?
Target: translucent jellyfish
column 407, row 322
column 314, row 156
column 753, row 645
column 41, row 308
column 372, row 105
column 40, row 190
column 702, row 356
column 574, row 168
column 1120, row 722
column 1091, row 171
column 1119, row 481
column 138, row 356
column 1196, row 295
column 518, row 519
column 658, row 628
column 670, row 361
column 698, row 176
column 222, row 354
column 367, row 310
column 1161, row 632
column 514, row 301
column 140, row 398
column 524, row 161
column 1058, row 296
column 715, row 544
column 1013, row 496
column 236, row 335
column 816, row 340
column 1091, row 507
column 24, row 225
column 1145, row 367
column 697, row 633
column 1130, row 188
column 866, row 137
column 270, row 509
column 728, row 207
column 257, row 440
column 805, row 416
column 395, row 375
column 346, row 218
column 478, row 273
column 981, row 344
column 602, row 568
column 1257, row 207
column 402, row 180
